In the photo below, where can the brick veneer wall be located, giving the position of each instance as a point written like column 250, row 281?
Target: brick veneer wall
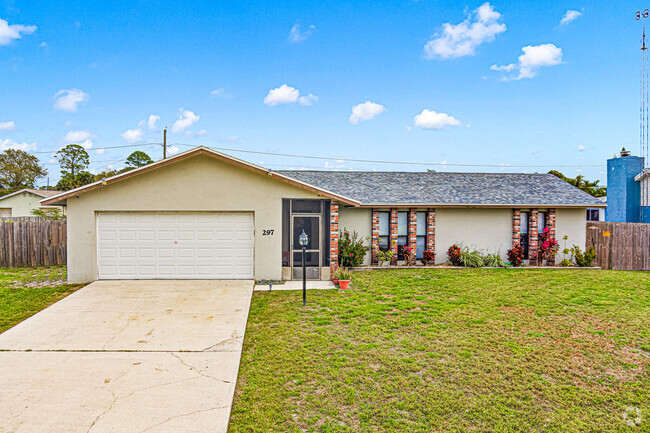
column 431, row 230
column 550, row 223
column 393, row 233
column 516, row 226
column 334, row 237
column 375, row 236
column 532, row 236
column 412, row 230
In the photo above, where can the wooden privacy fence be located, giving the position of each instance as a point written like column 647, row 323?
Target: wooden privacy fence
column 32, row 242
column 620, row 246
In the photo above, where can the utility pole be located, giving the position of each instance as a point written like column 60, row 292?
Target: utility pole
column 165, row 143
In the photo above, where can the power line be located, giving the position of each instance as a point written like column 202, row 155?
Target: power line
column 374, row 161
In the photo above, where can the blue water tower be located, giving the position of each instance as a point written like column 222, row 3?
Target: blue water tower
column 623, row 192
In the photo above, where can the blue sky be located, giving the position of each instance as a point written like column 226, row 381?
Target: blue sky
column 465, row 92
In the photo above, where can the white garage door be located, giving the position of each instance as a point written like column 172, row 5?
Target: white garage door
column 175, row 245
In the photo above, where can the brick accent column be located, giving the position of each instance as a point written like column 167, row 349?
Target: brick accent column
column 532, row 235
column 375, row 236
column 431, row 230
column 393, row 233
column 412, row 230
column 334, row 237
column 516, row 226
column 550, row 223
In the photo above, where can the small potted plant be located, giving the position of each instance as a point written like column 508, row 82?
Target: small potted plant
column 344, row 276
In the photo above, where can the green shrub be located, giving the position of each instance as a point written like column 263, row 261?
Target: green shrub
column 586, row 259
column 352, row 251
column 471, row 259
column 493, row 261
column 384, row 256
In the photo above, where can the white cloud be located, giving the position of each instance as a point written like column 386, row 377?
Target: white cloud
column 220, row 93
column 366, row 111
column 152, row 121
column 232, row 139
column 570, row 16
column 133, row 135
column 9, row 33
column 458, row 40
column 581, row 147
column 534, row 57
column 100, row 151
column 43, row 45
column 82, row 138
column 282, row 95
column 307, row 100
column 186, row 119
column 7, row 126
column 430, row 119
column 69, row 99
column 295, row 35
column 288, row 95
column 201, row 133
column 172, row 150
column 10, row 144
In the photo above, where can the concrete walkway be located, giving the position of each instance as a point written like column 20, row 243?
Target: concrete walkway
column 127, row 356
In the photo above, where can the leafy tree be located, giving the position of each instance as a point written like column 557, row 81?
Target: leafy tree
column 49, row 213
column 18, row 170
column 106, row 174
column 581, row 183
column 138, row 159
column 73, row 159
column 68, row 181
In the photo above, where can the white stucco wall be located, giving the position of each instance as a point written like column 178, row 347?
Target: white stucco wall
column 22, row 204
column 199, row 183
column 572, row 223
column 359, row 220
column 489, row 230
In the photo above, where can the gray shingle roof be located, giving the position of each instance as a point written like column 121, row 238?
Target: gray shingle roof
column 447, row 188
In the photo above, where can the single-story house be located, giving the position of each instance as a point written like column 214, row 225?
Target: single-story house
column 22, row 203
column 202, row 214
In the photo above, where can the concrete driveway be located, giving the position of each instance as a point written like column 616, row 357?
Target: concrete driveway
column 127, row 356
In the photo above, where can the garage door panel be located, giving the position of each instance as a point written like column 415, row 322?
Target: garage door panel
column 175, row 245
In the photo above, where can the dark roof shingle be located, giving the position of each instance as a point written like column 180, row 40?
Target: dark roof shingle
column 446, row 188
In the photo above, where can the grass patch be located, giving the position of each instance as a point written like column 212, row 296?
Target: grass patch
column 26, row 291
column 449, row 350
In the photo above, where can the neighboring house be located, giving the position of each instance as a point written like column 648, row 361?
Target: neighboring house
column 628, row 189
column 202, row 214
column 597, row 214
column 22, row 203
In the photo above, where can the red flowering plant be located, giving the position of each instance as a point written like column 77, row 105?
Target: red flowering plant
column 454, row 255
column 548, row 246
column 352, row 251
column 516, row 255
column 428, row 257
column 409, row 256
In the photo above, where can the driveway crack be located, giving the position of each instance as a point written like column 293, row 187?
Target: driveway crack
column 182, row 415
column 191, row 367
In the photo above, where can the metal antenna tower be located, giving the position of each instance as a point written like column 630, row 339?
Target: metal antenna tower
column 643, row 111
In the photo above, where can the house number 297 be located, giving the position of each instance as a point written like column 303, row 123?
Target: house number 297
column 267, row 232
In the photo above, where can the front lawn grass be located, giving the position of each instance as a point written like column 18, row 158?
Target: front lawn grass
column 26, row 291
column 450, row 350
